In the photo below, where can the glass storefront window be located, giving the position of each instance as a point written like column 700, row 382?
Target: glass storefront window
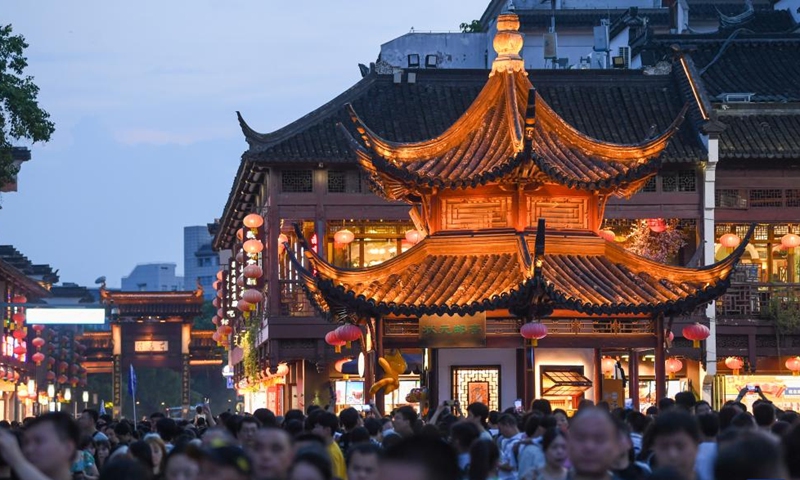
column 765, row 260
column 374, row 243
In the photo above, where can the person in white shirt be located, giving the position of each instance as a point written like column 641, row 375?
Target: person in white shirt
column 507, row 441
column 707, row 450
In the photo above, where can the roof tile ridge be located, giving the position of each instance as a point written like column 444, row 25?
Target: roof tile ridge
column 266, row 140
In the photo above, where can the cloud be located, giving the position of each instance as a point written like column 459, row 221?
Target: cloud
column 150, row 136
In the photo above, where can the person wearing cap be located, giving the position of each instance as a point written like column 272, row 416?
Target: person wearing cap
column 220, row 460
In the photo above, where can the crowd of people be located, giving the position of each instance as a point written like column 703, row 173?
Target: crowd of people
column 680, row 439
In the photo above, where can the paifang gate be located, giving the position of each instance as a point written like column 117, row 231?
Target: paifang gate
column 150, row 329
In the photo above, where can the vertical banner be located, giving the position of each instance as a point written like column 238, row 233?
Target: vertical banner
column 116, row 379
column 452, row 331
column 185, row 384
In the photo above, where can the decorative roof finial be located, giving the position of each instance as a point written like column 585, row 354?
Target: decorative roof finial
column 508, row 43
column 510, row 7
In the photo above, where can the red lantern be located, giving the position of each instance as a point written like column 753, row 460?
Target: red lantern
column 220, row 313
column 51, row 375
column 608, row 365
column 62, row 379
column 253, row 296
column 790, row 240
column 533, row 331
column 20, row 349
column 219, row 275
column 215, row 285
column 413, row 236
column 657, row 225
column 19, row 334
column 730, row 240
column 73, row 369
column 240, row 281
column 216, row 302
column 344, row 236
column 18, row 318
column 37, row 357
column 282, row 371
column 215, row 320
column 62, row 366
column 793, row 364
column 671, row 336
column 282, row 240
column 243, row 306
column 608, row 235
column 225, row 330
column 19, row 299
column 240, row 234
column 240, row 257
column 348, row 332
column 253, row 220
column 215, row 336
column 332, row 339
column 734, row 363
column 696, row 333
column 673, row 366
column 38, row 329
column 51, row 361
column 253, row 271
column 74, row 381
column 38, row 342
column 253, row 246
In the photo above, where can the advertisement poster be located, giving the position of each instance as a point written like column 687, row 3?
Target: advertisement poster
column 782, row 390
column 354, row 393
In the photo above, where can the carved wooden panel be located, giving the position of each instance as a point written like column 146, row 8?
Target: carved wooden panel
column 559, row 212
column 473, row 213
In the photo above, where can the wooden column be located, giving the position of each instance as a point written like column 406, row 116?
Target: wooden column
column 273, row 228
column 633, row 377
column 380, row 404
column 660, row 368
column 598, row 376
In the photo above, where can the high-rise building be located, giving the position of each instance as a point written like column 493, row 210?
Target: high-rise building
column 200, row 261
column 153, row 277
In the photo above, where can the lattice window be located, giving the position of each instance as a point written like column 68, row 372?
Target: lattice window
column 766, row 197
column 687, row 223
column 729, row 198
column 297, row 181
column 477, row 384
column 721, row 229
column 680, row 181
column 792, row 197
column 650, row 186
column 779, row 230
column 344, row 181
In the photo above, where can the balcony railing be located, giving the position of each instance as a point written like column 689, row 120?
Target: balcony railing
column 294, row 302
column 752, row 300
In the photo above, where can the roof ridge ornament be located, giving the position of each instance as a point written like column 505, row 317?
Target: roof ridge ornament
column 508, row 43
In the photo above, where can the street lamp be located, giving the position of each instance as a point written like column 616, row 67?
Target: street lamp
column 85, row 396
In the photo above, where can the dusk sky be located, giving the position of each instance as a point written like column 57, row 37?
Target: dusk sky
column 143, row 96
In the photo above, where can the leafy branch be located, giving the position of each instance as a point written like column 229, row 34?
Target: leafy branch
column 471, row 27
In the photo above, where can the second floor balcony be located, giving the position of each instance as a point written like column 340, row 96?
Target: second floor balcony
column 759, row 302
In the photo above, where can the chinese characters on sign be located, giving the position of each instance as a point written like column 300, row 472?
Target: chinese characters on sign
column 443, row 331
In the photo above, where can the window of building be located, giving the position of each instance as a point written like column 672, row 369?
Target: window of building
column 344, row 181
column 206, row 280
column 679, row 181
column 765, row 259
column 374, row 243
column 205, row 261
column 766, row 197
column 730, row 198
column 650, row 186
column 297, row 181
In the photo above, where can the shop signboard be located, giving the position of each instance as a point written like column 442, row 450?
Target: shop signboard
column 452, row 331
column 782, row 390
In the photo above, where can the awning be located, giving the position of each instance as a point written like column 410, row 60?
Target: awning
column 566, row 383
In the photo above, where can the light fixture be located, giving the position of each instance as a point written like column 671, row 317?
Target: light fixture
column 413, row 236
column 790, row 240
column 361, row 364
column 51, row 390
column 344, row 236
column 68, row 394
column 673, row 366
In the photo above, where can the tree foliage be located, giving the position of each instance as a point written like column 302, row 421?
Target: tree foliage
column 471, row 27
column 21, row 118
column 203, row 321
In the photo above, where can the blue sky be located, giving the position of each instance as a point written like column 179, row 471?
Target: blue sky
column 144, row 95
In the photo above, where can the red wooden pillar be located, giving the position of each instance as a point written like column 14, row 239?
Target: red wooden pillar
column 598, row 376
column 660, row 367
column 633, row 377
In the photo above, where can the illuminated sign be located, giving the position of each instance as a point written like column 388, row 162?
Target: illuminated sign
column 66, row 316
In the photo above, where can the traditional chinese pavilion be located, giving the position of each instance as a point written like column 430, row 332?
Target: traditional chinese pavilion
column 510, row 200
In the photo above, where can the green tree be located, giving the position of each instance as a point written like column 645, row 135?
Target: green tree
column 203, row 321
column 471, row 27
column 21, row 118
